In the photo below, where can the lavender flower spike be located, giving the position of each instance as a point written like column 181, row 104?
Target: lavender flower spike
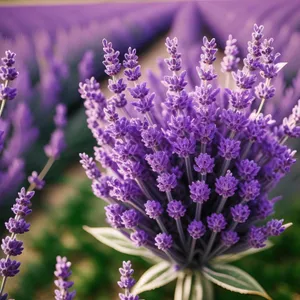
column 7, row 73
column 63, row 273
column 127, row 282
column 212, row 147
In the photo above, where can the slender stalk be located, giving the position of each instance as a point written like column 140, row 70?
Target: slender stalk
column 225, row 166
column 198, row 211
column 3, row 101
column 188, row 166
column 161, row 225
column 203, row 148
column 143, row 188
column 43, row 173
column 221, row 205
column 41, row 176
column 209, row 245
column 181, row 234
column 169, row 195
column 260, row 107
column 192, row 250
column 3, row 285
column 2, row 107
column 247, row 149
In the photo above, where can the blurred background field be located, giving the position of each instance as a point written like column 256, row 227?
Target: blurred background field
column 59, row 45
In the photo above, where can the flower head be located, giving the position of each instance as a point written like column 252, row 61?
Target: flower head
column 63, row 273
column 213, row 149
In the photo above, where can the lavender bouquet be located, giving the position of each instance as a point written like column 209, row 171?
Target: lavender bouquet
column 189, row 171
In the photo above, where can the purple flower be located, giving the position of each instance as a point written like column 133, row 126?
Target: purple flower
column 248, row 169
column 196, row 229
column 36, row 181
column 132, row 67
column 216, row 222
column 163, row 241
column 91, row 170
column 17, row 226
column 243, row 80
column 114, row 215
column 8, row 73
column 274, row 227
column 63, row 273
column 256, row 237
column 153, row 209
column 139, row 238
column 166, row 182
column 264, row 91
column 158, row 161
column 226, row 185
column 240, row 213
column 9, row 58
column 229, row 238
column 60, row 116
column 7, row 93
column 204, row 163
column 229, row 148
column 200, row 191
column 213, row 147
column 111, row 62
column 250, row 190
column 230, row 60
column 175, row 209
column 9, row 268
column 174, row 61
column 184, row 146
column 56, row 145
column 234, row 120
column 11, row 246
column 127, row 281
column 130, row 218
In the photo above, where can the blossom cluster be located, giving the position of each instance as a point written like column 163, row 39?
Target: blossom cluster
column 11, row 246
column 190, row 171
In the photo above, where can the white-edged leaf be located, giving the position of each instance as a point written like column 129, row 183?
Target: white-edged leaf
column 236, row 256
column 197, row 293
column 287, row 225
column 155, row 277
column 187, row 287
column 179, row 286
column 280, row 66
column 116, row 240
column 208, row 289
column 234, row 279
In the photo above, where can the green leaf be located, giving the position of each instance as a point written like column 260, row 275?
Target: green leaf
column 233, row 257
column 116, row 240
column 155, row 277
column 197, row 293
column 208, row 289
column 234, row 279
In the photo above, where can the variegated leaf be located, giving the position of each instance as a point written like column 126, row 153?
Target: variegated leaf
column 116, row 240
column 234, row 279
column 155, row 277
column 197, row 293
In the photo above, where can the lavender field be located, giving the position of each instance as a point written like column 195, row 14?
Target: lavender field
column 148, row 150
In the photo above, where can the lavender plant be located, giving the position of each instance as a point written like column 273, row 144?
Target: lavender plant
column 17, row 225
column 190, row 173
column 63, row 273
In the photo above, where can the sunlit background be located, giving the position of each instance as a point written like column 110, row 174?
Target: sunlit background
column 59, row 45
